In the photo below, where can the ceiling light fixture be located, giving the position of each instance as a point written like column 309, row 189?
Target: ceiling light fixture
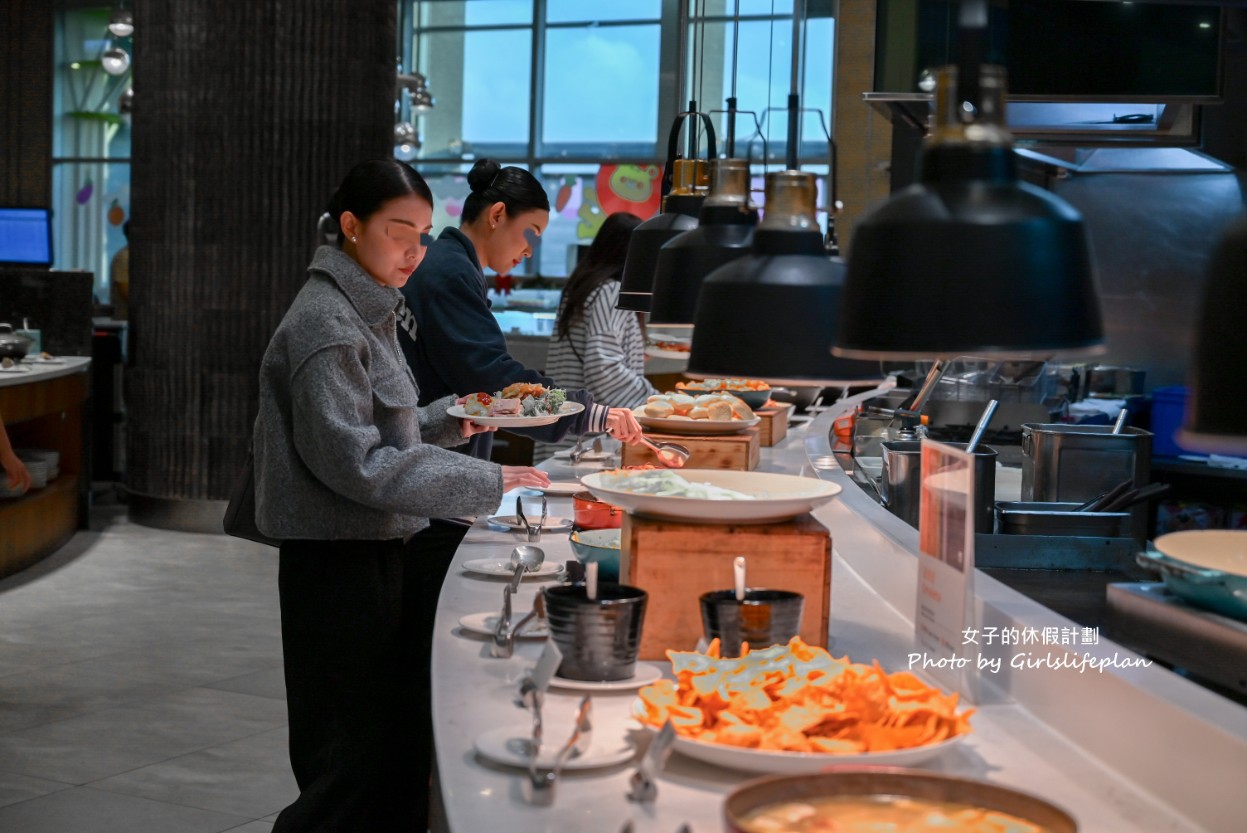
column 786, row 284
column 121, row 23
column 970, row 261
column 115, row 60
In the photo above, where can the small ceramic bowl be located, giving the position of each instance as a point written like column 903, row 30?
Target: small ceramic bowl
column 600, row 546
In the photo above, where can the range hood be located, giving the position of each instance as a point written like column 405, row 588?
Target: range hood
column 1081, row 123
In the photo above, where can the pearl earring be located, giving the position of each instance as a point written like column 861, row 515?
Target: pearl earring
column 354, row 239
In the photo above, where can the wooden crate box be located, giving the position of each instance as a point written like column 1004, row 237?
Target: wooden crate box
column 774, row 424
column 676, row 562
column 739, row 452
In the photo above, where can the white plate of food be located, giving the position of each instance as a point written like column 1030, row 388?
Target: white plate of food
column 502, row 569
column 711, row 495
column 561, row 488
column 522, row 404
column 483, row 624
column 513, row 523
column 567, row 409
column 792, row 763
column 659, row 353
column 512, row 745
column 44, row 358
column 695, row 427
column 709, row 413
column 669, row 347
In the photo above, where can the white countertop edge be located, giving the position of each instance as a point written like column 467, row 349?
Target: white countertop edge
column 43, row 372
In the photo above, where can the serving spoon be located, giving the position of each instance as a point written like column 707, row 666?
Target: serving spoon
column 671, row 455
column 525, row 558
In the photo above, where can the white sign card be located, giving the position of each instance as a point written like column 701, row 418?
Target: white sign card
column 946, row 567
column 551, row 659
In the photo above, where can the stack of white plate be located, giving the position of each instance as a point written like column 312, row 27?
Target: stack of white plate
column 5, row 491
column 51, row 460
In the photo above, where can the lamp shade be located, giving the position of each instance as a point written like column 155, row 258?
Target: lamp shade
column 969, row 260
column 1216, row 420
column 724, row 233
column 680, row 210
column 772, row 314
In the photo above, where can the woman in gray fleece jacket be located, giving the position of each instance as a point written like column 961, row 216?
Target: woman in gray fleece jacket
column 348, row 468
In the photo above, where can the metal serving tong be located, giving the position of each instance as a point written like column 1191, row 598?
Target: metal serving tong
column 504, row 634
column 643, row 786
column 541, row 784
column 504, row 642
column 534, row 532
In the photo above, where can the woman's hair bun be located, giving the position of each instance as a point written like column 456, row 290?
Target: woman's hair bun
column 482, row 174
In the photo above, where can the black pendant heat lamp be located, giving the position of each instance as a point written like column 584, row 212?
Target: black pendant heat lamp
column 970, row 261
column 771, row 315
column 723, row 234
column 1216, row 420
column 680, row 209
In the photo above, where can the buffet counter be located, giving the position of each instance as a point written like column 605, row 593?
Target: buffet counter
column 43, row 404
column 1122, row 749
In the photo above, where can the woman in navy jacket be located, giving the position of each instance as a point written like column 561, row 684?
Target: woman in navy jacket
column 452, row 341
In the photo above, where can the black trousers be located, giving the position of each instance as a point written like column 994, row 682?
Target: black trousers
column 357, row 627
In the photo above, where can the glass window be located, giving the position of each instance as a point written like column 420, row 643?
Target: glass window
column 763, row 85
column 476, row 12
column 90, row 145
column 480, row 80
column 91, row 204
column 596, row 130
column 601, row 86
column 578, row 11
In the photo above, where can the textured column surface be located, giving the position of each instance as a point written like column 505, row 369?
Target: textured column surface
column 26, row 104
column 246, row 117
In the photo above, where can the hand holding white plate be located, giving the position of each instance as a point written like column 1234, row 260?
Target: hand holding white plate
column 568, row 409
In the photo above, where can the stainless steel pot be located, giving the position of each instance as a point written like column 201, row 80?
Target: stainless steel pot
column 1114, row 381
column 13, row 345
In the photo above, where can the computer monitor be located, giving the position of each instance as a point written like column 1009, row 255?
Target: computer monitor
column 25, row 237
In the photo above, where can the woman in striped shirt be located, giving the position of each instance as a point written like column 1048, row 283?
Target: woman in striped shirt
column 596, row 346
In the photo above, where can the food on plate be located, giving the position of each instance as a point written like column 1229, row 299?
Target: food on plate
column 672, row 346
column 7, row 362
column 799, row 698
column 519, row 399
column 666, row 483
column 716, row 406
column 519, row 390
column 875, row 813
column 659, row 409
column 724, row 384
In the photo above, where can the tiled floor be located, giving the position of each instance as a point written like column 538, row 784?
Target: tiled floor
column 141, row 687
